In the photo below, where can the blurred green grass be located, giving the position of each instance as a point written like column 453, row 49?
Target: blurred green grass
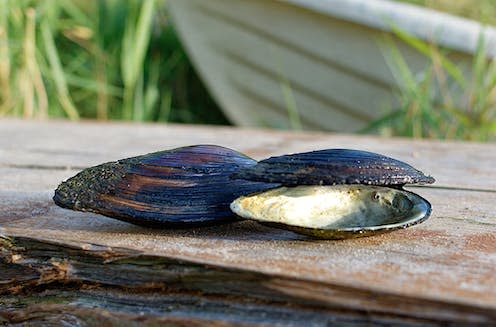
column 442, row 101
column 122, row 60
column 483, row 11
column 106, row 59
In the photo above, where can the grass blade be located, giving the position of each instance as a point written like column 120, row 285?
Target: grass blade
column 57, row 72
column 33, row 68
column 134, row 46
column 426, row 49
column 287, row 92
column 5, row 72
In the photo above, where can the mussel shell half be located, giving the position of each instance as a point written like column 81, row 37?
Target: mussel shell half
column 333, row 166
column 335, row 212
column 182, row 187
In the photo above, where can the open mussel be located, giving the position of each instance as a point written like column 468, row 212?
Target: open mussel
column 334, row 194
column 182, row 187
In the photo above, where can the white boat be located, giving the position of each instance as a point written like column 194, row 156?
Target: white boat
column 279, row 63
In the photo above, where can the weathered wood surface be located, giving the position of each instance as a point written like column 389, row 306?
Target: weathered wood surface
column 79, row 268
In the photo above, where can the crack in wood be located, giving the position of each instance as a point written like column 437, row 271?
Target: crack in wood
column 453, row 188
column 190, row 306
column 107, row 280
column 43, row 167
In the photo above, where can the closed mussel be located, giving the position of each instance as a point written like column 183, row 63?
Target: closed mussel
column 334, row 194
column 182, row 187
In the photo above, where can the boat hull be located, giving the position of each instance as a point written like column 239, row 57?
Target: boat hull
column 288, row 64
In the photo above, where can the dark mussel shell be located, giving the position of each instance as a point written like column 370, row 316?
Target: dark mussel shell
column 333, row 166
column 186, row 186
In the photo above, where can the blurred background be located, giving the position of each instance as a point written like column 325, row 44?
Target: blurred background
column 123, row 60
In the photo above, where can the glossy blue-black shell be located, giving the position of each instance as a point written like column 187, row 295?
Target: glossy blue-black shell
column 333, row 166
column 176, row 188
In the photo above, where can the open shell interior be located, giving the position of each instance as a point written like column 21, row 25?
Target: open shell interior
column 352, row 208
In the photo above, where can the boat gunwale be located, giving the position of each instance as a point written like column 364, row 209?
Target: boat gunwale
column 447, row 30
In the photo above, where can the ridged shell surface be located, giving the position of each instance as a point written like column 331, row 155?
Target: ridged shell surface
column 176, row 188
column 331, row 167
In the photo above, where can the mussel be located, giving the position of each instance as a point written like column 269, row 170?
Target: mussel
column 334, row 194
column 183, row 187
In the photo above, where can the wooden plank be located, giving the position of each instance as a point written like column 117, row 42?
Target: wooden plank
column 67, row 145
column 445, row 266
column 439, row 272
column 437, row 246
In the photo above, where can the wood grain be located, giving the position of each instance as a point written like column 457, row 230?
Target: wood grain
column 65, row 145
column 439, row 272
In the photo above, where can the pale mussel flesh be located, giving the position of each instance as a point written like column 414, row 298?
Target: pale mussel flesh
column 334, row 194
column 183, row 187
